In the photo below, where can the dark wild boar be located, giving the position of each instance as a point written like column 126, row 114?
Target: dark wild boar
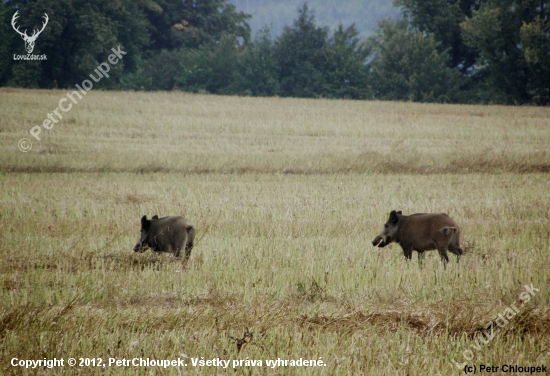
column 421, row 232
column 168, row 234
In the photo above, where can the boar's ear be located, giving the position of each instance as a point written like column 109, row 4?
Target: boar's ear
column 448, row 230
column 393, row 217
column 144, row 223
column 399, row 212
column 155, row 217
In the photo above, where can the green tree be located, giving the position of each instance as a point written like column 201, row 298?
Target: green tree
column 193, row 23
column 7, row 41
column 346, row 70
column 194, row 46
column 500, row 46
column 209, row 68
column 301, row 57
column 78, row 37
column 81, row 33
column 408, row 66
column 256, row 71
column 535, row 42
column 512, row 39
column 442, row 19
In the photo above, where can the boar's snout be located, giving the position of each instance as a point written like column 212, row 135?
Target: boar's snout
column 139, row 247
column 378, row 241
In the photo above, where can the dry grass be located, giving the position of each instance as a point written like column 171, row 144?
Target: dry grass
column 286, row 195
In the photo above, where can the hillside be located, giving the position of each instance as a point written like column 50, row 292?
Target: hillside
column 279, row 13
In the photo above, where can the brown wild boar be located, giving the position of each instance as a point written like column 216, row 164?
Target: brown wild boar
column 421, row 232
column 168, row 234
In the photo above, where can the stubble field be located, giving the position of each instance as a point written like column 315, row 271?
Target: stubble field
column 286, row 196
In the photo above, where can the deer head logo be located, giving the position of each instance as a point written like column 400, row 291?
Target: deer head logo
column 29, row 41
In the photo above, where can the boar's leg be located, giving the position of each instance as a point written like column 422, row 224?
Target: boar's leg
column 407, row 251
column 189, row 242
column 443, row 253
column 188, row 248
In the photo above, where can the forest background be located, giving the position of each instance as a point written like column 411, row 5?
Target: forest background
column 451, row 51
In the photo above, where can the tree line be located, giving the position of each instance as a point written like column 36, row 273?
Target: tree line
column 452, row 51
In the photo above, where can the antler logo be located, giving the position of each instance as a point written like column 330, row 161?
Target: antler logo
column 29, row 41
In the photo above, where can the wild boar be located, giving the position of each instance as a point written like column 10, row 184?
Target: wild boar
column 421, row 232
column 167, row 234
